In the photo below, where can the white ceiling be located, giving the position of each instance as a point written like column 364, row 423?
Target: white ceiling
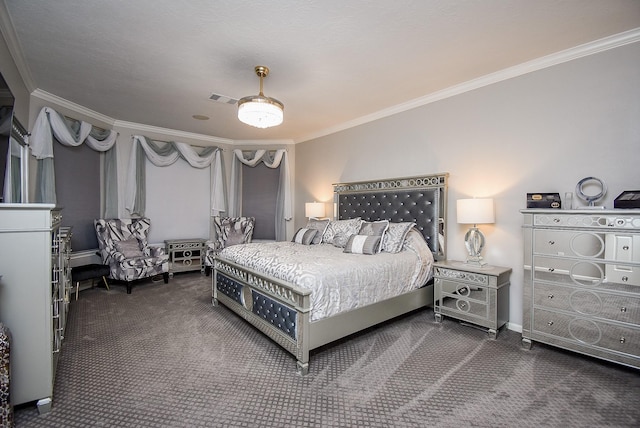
column 156, row 62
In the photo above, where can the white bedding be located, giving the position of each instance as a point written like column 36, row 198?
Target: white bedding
column 339, row 281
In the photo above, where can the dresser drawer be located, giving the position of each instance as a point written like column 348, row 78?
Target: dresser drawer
column 586, row 273
column 588, row 302
column 587, row 332
column 569, row 243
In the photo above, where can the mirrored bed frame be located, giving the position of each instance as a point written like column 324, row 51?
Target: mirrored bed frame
column 421, row 199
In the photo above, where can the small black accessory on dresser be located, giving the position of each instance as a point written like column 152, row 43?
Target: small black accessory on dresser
column 543, row 200
column 627, row 199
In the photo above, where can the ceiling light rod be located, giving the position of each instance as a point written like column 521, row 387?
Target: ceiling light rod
column 258, row 110
column 262, row 72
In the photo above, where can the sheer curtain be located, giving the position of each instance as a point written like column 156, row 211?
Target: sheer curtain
column 71, row 133
column 164, row 155
column 272, row 159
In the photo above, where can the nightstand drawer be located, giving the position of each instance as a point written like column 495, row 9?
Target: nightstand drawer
column 462, row 290
column 465, row 276
column 462, row 308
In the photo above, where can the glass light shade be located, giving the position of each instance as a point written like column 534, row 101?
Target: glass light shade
column 475, row 211
column 260, row 111
column 314, row 209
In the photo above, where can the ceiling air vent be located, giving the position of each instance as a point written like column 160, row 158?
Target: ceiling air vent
column 223, row 99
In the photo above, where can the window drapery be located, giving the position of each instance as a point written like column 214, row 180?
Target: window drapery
column 165, row 155
column 72, row 133
column 272, row 159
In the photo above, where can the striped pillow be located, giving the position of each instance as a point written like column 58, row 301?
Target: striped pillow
column 304, row 236
column 362, row 244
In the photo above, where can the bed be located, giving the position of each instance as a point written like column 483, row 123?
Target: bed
column 270, row 284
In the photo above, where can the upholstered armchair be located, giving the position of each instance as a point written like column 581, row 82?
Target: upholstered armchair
column 227, row 231
column 124, row 248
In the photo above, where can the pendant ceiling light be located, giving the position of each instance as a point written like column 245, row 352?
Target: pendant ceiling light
column 258, row 110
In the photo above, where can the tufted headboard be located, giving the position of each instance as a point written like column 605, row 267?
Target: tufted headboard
column 421, row 199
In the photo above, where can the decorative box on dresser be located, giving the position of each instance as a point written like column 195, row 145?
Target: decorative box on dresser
column 582, row 282
column 34, row 296
column 475, row 294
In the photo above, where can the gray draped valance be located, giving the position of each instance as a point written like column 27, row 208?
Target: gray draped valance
column 70, row 132
column 165, row 154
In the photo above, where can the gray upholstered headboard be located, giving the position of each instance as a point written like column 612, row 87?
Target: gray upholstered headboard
column 421, row 199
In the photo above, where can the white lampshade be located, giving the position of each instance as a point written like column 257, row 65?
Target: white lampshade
column 475, row 211
column 314, row 209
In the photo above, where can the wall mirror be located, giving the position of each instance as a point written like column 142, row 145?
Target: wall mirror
column 14, row 153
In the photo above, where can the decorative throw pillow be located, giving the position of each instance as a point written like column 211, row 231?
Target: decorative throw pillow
column 341, row 227
column 340, row 240
column 394, row 236
column 362, row 244
column 374, row 228
column 129, row 248
column 304, row 236
column 235, row 236
column 234, row 230
column 320, row 226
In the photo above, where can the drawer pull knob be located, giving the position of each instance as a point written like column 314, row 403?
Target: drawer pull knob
column 625, row 278
column 623, row 309
column 622, row 339
column 626, row 247
column 556, row 220
column 550, row 323
column 552, row 242
column 551, row 269
column 550, row 296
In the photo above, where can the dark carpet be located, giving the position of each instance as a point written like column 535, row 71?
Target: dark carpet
column 164, row 357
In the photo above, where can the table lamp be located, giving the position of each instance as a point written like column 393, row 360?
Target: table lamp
column 314, row 209
column 475, row 211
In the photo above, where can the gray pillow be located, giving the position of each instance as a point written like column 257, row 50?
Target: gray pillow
column 374, row 228
column 130, row 248
column 362, row 244
column 320, row 226
column 304, row 236
column 341, row 227
column 340, row 241
column 394, row 236
column 235, row 237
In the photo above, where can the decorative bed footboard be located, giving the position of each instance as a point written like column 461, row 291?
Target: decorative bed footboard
column 278, row 309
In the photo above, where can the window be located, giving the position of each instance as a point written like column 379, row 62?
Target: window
column 259, row 197
column 78, row 192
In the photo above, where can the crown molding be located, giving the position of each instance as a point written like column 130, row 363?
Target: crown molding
column 77, row 108
column 263, row 142
column 591, row 48
column 9, row 33
column 138, row 127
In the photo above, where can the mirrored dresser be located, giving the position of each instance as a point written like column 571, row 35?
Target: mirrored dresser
column 582, row 282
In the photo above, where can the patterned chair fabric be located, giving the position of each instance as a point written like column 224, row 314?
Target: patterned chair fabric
column 124, row 248
column 227, row 231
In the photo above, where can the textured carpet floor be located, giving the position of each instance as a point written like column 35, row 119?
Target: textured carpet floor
column 164, row 357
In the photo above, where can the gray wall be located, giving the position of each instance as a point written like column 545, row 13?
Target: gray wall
column 540, row 132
